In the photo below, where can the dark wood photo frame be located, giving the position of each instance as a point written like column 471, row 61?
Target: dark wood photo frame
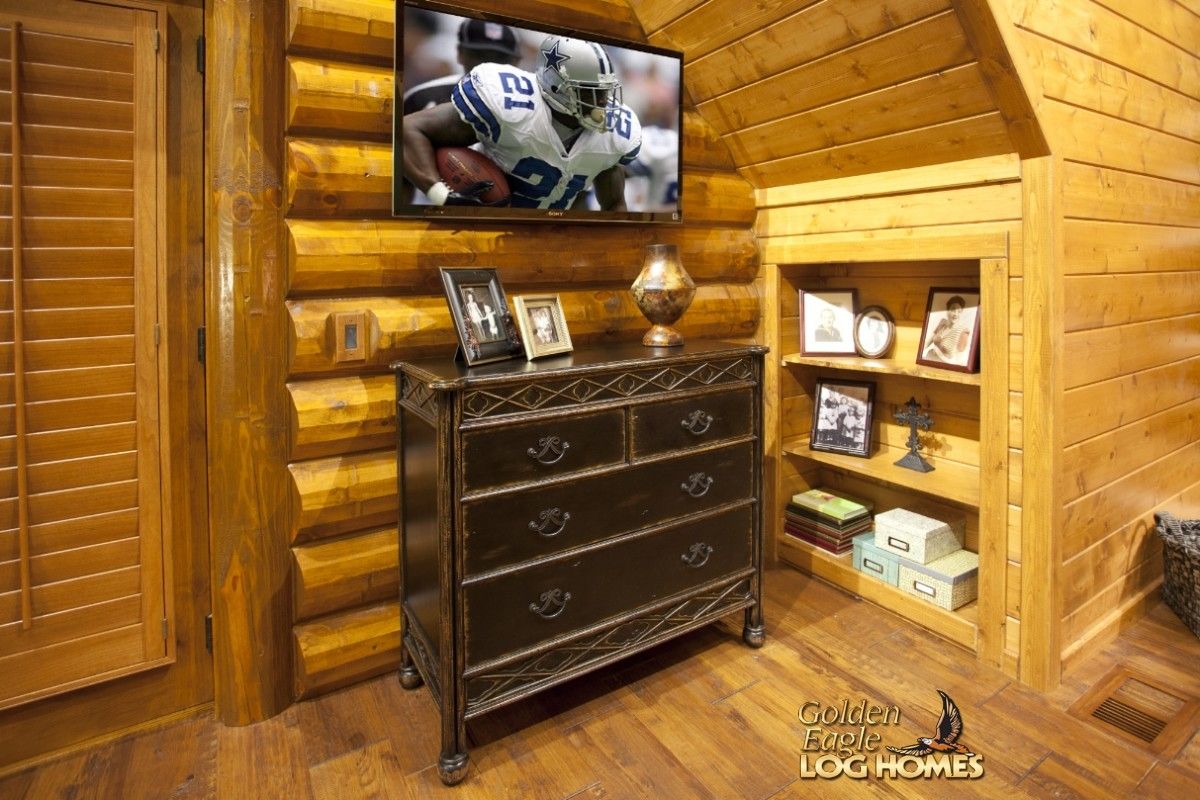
column 842, row 414
column 485, row 327
column 827, row 322
column 874, row 332
column 950, row 335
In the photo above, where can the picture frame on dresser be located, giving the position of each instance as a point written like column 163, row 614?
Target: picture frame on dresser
column 484, row 325
column 542, row 324
column 842, row 412
column 827, row 321
column 874, row 332
column 950, row 335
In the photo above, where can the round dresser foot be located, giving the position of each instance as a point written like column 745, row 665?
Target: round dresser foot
column 453, row 770
column 755, row 637
column 409, row 677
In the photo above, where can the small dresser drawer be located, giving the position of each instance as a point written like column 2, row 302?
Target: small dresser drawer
column 547, row 600
column 691, row 421
column 543, row 520
column 542, row 449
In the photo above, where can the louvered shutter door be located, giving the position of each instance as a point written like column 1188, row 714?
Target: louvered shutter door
column 82, row 588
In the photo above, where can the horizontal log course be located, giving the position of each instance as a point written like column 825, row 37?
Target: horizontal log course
column 345, row 648
column 344, row 573
column 341, row 415
column 419, row 326
column 364, row 29
column 330, row 496
column 354, row 179
column 335, row 255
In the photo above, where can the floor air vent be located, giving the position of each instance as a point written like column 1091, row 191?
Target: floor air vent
column 1141, row 710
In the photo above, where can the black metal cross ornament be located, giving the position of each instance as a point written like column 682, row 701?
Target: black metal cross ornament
column 914, row 419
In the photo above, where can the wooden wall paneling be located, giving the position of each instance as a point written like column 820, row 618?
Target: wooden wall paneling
column 1102, row 353
column 994, row 574
column 926, row 100
column 708, row 26
column 334, row 495
column 1096, row 193
column 1096, row 246
column 773, row 491
column 1125, row 299
column 342, row 415
column 933, row 45
column 1100, row 407
column 1041, row 382
column 326, row 256
column 1091, row 571
column 989, row 30
column 410, row 326
column 357, row 29
column 1089, row 137
column 341, row 649
column 347, row 572
column 333, row 99
column 246, row 370
column 819, row 31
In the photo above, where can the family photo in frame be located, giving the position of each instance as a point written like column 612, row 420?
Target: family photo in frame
column 950, row 336
column 543, row 326
column 842, row 412
column 827, row 322
column 874, row 332
column 481, row 317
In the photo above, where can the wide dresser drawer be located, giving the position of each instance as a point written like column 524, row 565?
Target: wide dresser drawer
column 542, row 520
column 546, row 448
column 691, row 421
column 522, row 608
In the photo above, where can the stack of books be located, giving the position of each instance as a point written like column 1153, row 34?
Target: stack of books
column 827, row 520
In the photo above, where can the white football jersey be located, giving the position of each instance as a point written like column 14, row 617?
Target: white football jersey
column 652, row 182
column 513, row 124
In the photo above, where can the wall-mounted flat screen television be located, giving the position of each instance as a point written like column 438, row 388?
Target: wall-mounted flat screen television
column 506, row 119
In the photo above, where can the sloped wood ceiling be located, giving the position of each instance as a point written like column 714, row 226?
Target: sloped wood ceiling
column 808, row 90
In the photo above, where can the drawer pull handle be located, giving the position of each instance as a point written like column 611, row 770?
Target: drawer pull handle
column 550, row 445
column 697, row 484
column 697, row 555
column 554, row 599
column 551, row 516
column 697, row 422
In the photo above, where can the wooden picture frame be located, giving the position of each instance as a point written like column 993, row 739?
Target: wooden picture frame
column 874, row 332
column 542, row 324
column 842, row 414
column 950, row 335
column 484, row 325
column 827, row 322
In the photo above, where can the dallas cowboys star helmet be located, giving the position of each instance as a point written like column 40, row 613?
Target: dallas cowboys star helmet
column 577, row 78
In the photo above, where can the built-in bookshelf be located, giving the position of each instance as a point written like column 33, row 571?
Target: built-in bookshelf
column 953, row 445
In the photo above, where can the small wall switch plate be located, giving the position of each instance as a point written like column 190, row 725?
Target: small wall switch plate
column 350, row 336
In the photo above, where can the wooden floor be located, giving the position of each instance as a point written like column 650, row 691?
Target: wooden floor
column 703, row 717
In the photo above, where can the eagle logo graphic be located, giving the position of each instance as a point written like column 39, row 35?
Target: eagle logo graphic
column 944, row 739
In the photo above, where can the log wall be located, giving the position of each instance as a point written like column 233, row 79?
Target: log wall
column 1121, row 86
column 344, row 253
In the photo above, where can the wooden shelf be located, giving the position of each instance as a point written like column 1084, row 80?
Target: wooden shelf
column 950, row 479
column 886, row 366
column 958, row 626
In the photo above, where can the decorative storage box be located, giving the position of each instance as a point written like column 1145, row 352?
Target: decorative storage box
column 914, row 536
column 874, row 561
column 949, row 582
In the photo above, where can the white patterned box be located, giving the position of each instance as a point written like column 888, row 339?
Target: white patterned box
column 949, row 582
column 915, row 536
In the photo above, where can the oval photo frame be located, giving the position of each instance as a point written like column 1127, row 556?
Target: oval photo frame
column 874, row 332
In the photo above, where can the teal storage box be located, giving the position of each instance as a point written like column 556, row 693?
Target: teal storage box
column 875, row 561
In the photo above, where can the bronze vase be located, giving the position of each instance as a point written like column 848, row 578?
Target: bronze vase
column 663, row 290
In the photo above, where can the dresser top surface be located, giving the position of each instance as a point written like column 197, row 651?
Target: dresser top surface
column 445, row 373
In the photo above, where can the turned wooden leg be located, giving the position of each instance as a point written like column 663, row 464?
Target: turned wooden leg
column 453, row 768
column 753, row 632
column 409, row 677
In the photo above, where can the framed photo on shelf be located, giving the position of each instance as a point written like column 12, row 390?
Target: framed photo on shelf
column 827, row 322
column 842, row 417
column 543, row 326
column 481, row 317
column 950, row 336
column 874, row 332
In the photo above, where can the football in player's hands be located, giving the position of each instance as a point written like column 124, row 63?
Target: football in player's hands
column 464, row 170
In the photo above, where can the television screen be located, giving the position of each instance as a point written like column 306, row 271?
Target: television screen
column 501, row 119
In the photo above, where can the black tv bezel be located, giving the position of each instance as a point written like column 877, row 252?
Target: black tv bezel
column 507, row 213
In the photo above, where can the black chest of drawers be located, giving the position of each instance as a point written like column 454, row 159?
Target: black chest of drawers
column 562, row 514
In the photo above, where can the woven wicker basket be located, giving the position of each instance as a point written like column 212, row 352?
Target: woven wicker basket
column 1181, row 567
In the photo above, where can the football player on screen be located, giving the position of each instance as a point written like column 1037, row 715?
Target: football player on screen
column 555, row 133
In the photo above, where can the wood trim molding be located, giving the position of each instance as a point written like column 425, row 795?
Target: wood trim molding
column 1017, row 96
column 246, row 371
column 1042, row 410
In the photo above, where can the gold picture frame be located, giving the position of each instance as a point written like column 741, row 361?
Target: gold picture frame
column 543, row 326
